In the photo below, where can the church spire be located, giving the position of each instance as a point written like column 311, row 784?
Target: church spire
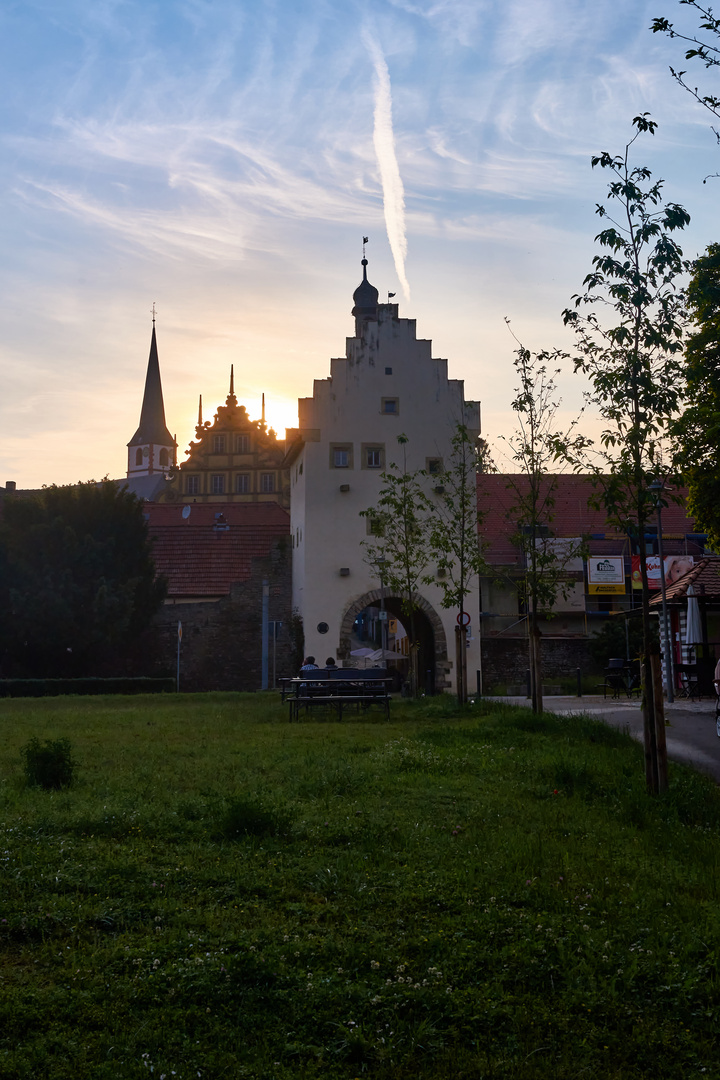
column 153, row 428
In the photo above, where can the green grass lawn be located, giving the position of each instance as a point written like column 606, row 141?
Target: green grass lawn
column 222, row 894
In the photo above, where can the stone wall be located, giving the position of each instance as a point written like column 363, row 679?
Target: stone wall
column 505, row 661
column 221, row 645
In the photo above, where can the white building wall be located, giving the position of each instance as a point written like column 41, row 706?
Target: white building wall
column 347, row 409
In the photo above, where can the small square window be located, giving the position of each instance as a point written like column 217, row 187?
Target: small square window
column 434, row 466
column 242, row 444
column 218, row 444
column 388, row 371
column 373, row 457
column 341, row 456
column 390, row 406
column 218, row 484
column 267, row 483
column 192, row 485
column 242, row 483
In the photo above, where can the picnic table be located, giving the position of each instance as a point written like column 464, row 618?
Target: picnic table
column 336, row 690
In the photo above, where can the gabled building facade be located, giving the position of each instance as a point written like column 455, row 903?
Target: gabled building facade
column 233, row 460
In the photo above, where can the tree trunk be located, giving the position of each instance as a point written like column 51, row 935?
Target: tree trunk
column 461, row 664
column 535, row 665
column 648, row 683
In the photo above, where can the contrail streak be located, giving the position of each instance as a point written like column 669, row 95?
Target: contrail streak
column 384, row 142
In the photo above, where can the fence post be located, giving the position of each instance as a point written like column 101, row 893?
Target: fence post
column 579, row 682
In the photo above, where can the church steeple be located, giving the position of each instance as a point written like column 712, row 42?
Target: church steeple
column 365, row 298
column 152, row 447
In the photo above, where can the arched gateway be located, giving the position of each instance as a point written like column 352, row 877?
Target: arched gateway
column 433, row 660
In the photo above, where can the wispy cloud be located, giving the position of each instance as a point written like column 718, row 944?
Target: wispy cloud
column 384, row 142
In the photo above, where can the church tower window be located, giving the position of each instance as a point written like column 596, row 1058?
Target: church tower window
column 138, row 456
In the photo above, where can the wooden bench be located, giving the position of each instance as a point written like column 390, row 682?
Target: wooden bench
column 319, row 691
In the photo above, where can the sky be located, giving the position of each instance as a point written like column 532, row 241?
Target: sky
column 223, row 161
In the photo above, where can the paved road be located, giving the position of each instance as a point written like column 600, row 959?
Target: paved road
column 691, row 734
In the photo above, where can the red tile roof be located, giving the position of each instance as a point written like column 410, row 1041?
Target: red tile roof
column 570, row 516
column 704, row 577
column 202, row 554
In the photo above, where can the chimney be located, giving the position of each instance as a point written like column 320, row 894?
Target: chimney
column 10, row 485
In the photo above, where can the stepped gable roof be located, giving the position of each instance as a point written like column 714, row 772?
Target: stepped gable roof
column 570, row 516
column 207, row 550
column 153, row 428
column 704, row 578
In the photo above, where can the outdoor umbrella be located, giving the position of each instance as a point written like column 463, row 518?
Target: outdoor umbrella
column 693, row 626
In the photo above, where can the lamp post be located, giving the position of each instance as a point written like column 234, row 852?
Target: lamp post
column 657, row 488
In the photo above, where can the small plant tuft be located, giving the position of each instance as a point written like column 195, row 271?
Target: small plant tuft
column 49, row 765
column 251, row 817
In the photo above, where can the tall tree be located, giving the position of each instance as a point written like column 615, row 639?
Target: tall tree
column 399, row 552
column 454, row 543
column 698, row 430
column 533, row 450
column 77, row 579
column 629, row 323
column 705, row 49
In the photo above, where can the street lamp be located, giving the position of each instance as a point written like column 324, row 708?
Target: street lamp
column 657, row 487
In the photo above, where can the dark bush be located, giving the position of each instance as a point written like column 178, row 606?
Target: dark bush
column 49, row 765
column 54, row 687
column 251, row 817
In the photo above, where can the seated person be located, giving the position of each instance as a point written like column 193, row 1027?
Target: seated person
column 309, row 664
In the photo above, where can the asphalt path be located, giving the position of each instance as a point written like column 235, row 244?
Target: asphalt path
column 691, row 732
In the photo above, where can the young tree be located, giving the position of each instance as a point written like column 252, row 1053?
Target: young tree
column 454, row 544
column 698, row 430
column 629, row 324
column 533, row 449
column 705, row 49
column 399, row 553
column 77, row 579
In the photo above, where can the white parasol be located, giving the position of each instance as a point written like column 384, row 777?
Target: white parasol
column 693, row 625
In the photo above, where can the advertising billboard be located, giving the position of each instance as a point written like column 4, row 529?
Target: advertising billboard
column 606, row 574
column 675, row 567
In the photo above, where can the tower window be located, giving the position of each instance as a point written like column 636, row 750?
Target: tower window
column 218, row 444
column 373, row 457
column 138, row 456
column 242, row 444
column 390, row 406
column 218, row 484
column 267, row 483
column 164, row 460
column 192, row 485
column 341, row 456
column 242, row 483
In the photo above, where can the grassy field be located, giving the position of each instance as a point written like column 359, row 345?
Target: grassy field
column 221, row 894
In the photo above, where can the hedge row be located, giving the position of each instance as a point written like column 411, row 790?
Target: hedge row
column 53, row 687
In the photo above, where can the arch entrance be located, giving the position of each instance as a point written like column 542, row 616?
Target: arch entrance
column 429, row 632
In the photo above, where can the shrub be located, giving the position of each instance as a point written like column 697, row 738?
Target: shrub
column 250, row 817
column 49, row 765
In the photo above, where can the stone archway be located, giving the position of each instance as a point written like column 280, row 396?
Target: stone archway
column 428, row 616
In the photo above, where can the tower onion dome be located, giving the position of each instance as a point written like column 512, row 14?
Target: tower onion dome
column 366, row 298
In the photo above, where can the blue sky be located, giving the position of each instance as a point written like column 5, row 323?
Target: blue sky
column 221, row 159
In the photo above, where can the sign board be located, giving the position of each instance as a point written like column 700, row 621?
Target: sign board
column 606, row 574
column 675, row 567
column 392, row 626
column 464, row 617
